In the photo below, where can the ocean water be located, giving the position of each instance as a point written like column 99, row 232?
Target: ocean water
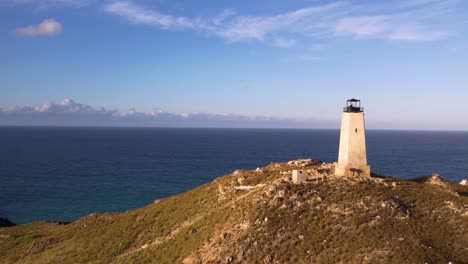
column 62, row 174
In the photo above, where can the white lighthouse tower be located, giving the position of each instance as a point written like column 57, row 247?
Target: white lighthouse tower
column 352, row 157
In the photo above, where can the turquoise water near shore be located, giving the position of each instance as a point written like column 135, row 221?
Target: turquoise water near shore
column 62, row 174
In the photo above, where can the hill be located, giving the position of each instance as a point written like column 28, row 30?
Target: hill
column 260, row 216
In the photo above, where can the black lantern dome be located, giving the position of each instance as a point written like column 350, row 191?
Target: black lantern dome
column 353, row 106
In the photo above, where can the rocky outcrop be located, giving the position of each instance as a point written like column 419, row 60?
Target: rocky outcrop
column 5, row 222
column 437, row 180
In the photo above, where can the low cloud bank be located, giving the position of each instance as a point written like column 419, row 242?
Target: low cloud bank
column 71, row 113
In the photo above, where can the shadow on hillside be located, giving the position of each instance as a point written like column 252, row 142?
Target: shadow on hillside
column 421, row 179
column 5, row 222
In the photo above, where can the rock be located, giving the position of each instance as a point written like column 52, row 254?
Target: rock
column 241, row 180
column 464, row 182
column 268, row 259
column 39, row 246
column 248, row 187
column 304, row 162
column 5, row 222
column 240, row 256
column 281, row 193
column 394, row 184
column 276, row 200
column 435, row 179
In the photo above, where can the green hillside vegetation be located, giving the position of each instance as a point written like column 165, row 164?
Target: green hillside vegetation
column 260, row 216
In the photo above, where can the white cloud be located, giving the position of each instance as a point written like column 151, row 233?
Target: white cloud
column 259, row 27
column 284, row 43
column 47, row 27
column 50, row 3
column 139, row 15
column 388, row 21
column 304, row 58
column 387, row 27
column 67, row 106
column 362, row 27
column 413, row 3
column 411, row 20
column 69, row 112
column 417, row 33
column 225, row 24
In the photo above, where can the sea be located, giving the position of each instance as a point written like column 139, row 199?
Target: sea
column 64, row 173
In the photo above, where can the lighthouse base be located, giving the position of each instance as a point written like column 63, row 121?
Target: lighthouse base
column 352, row 171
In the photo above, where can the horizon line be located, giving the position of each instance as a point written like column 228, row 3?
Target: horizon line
column 231, row 128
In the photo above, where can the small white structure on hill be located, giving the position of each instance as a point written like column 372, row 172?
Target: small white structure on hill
column 299, row 176
column 352, row 157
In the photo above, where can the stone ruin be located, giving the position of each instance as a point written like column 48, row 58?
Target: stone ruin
column 299, row 176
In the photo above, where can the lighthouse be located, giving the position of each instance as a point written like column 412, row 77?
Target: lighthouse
column 352, row 157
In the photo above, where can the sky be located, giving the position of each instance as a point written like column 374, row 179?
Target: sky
column 220, row 63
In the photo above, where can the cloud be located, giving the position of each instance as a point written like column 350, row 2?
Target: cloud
column 417, row 33
column 227, row 24
column 44, row 4
column 47, row 27
column 414, row 3
column 387, row 27
column 362, row 27
column 71, row 113
column 304, row 58
column 139, row 15
column 413, row 20
column 259, row 27
column 284, row 43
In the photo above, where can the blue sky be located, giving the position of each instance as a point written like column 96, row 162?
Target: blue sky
column 274, row 63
